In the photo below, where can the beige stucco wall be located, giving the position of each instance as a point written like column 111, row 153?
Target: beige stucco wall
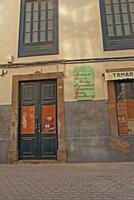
column 99, row 80
column 79, row 31
column 80, row 37
column 6, row 80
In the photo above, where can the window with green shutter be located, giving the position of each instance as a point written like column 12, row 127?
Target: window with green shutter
column 117, row 23
column 38, row 27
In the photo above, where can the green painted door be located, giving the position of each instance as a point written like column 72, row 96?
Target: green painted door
column 37, row 120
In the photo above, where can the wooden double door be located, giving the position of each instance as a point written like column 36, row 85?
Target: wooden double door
column 38, row 120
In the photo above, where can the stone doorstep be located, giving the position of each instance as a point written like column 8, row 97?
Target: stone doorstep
column 37, row 162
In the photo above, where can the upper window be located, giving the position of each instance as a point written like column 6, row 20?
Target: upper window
column 118, row 24
column 38, row 27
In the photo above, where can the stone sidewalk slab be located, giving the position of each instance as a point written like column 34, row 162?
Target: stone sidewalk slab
column 108, row 181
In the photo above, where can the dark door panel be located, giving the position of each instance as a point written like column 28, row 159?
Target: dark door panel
column 27, row 147
column 48, row 147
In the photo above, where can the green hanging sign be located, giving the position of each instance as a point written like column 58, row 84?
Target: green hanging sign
column 84, row 83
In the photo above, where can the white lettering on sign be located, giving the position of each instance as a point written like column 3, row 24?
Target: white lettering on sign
column 119, row 75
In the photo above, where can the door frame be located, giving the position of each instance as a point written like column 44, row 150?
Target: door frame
column 13, row 155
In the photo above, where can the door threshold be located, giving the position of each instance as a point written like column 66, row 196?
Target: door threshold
column 38, row 162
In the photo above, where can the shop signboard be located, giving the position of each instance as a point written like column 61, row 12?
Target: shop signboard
column 119, row 75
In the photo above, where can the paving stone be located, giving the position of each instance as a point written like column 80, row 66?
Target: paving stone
column 108, row 181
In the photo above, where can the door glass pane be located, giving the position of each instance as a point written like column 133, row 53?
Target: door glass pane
column 130, row 90
column 35, row 6
column 43, row 5
column 27, row 38
column 116, row 8
column 50, row 14
column 50, row 4
column 131, row 5
column 108, row 9
column 42, row 15
column 35, row 16
column 117, row 19
column 132, row 17
column 27, row 27
column 50, row 24
column 28, row 6
column 48, row 92
column 125, row 18
column 42, row 36
column 127, row 29
column 124, row 8
column 120, row 90
column 42, row 25
column 109, row 19
column 118, row 30
column 110, row 31
column 35, row 36
column 48, row 119
column 28, row 120
column 28, row 16
column 50, row 35
column 35, row 26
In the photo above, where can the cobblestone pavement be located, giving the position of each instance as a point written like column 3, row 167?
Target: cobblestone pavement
column 111, row 181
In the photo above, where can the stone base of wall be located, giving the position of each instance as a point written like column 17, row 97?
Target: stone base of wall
column 88, row 134
column 95, row 150
column 4, row 144
column 4, row 132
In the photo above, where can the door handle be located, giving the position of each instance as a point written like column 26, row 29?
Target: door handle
column 39, row 128
column 36, row 124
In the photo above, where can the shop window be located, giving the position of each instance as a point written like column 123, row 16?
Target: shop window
column 38, row 27
column 117, row 23
column 124, row 92
column 124, row 89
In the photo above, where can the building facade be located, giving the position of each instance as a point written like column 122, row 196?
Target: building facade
column 67, row 80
